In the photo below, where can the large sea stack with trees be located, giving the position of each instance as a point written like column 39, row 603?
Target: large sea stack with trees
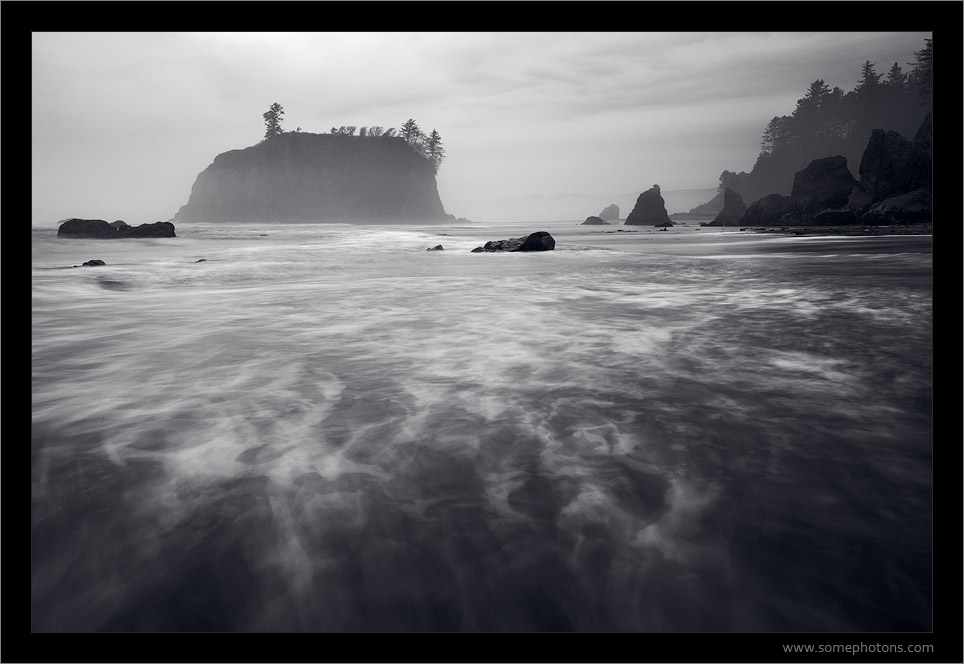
column 370, row 176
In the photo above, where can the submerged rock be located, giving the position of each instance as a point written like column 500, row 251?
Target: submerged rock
column 437, row 247
column 595, row 221
column 538, row 241
column 94, row 261
column 650, row 209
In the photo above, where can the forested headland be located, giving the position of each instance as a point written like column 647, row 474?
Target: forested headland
column 829, row 121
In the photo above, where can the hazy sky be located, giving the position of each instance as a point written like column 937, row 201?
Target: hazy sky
column 123, row 122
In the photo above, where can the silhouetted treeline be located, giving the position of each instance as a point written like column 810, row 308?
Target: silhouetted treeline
column 828, row 121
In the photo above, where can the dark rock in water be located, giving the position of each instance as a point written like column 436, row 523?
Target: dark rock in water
column 95, row 261
column 201, row 260
column 733, row 209
column 157, row 229
column 101, row 230
column 834, row 218
column 437, row 247
column 610, row 213
column 595, row 221
column 650, row 209
column 538, row 241
column 824, row 184
column 766, row 211
column 87, row 228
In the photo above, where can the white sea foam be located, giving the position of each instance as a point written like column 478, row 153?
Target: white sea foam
column 321, row 406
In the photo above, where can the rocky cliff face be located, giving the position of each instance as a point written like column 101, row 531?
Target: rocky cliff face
column 317, row 177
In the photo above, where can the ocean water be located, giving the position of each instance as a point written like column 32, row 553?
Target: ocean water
column 329, row 428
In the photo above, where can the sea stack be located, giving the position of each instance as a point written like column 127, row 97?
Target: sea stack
column 733, row 210
column 610, row 213
column 301, row 177
column 650, row 209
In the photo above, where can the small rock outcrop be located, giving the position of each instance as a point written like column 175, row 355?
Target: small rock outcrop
column 94, row 261
column 538, row 241
column 610, row 213
column 437, row 247
column 595, row 221
column 650, row 209
column 733, row 210
column 101, row 230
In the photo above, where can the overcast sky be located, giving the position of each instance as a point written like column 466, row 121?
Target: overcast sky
column 124, row 122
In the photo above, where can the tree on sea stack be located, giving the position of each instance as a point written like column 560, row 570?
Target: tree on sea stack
column 410, row 132
column 433, row 146
column 273, row 120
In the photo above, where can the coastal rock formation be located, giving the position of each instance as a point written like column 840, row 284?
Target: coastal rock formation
column 712, row 207
column 767, row 211
column 101, row 230
column 87, row 228
column 834, row 218
column 610, row 213
column 437, row 247
column 94, row 261
column 895, row 183
column 733, row 210
column 157, row 229
column 824, row 184
column 317, row 177
column 538, row 241
column 595, row 221
column 650, row 209
column 911, row 208
column 895, row 178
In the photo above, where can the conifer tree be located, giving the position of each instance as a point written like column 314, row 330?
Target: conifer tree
column 434, row 149
column 272, row 120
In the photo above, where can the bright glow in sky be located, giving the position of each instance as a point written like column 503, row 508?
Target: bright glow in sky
column 124, row 122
